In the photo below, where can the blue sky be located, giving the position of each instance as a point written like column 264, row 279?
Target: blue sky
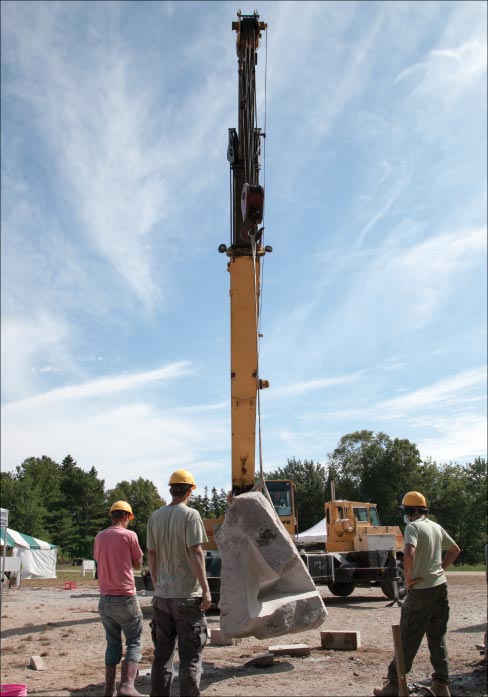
column 115, row 197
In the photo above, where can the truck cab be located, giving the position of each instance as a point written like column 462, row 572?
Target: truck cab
column 282, row 494
column 354, row 526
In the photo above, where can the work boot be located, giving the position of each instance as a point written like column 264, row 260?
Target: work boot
column 129, row 674
column 389, row 689
column 440, row 689
column 110, row 675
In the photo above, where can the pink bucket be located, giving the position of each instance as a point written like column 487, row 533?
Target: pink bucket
column 13, row 690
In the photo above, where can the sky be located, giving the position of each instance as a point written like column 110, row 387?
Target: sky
column 115, row 197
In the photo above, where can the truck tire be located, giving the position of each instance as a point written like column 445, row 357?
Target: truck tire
column 341, row 589
column 388, row 588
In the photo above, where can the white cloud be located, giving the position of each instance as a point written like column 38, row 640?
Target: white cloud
column 404, row 287
column 452, row 440
column 28, row 345
column 448, row 392
column 121, row 440
column 120, row 155
column 104, row 386
column 453, row 391
column 307, row 386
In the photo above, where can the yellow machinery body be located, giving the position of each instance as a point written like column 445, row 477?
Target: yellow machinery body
column 351, row 523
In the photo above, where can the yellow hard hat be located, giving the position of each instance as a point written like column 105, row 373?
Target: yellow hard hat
column 122, row 506
column 182, row 477
column 414, row 499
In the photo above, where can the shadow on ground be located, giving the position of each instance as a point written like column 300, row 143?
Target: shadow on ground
column 211, row 675
column 33, row 629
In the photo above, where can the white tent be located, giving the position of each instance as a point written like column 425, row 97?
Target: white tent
column 317, row 533
column 38, row 558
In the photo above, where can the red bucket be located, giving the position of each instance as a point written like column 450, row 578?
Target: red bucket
column 73, row 585
column 13, row 690
column 67, row 585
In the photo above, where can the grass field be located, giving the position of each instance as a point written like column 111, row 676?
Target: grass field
column 66, row 572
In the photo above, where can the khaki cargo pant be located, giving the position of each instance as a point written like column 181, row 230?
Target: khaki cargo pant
column 182, row 619
column 424, row 612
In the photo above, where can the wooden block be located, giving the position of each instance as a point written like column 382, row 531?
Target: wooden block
column 340, row 640
column 262, row 660
column 290, row 650
column 218, row 638
column 37, row 663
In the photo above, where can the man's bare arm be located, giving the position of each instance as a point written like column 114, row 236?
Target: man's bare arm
column 451, row 556
column 408, row 562
column 137, row 564
column 197, row 561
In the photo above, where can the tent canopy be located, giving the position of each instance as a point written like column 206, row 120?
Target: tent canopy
column 20, row 539
column 38, row 558
column 317, row 533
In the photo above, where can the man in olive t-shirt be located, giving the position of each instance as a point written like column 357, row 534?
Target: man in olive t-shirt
column 426, row 608
column 175, row 535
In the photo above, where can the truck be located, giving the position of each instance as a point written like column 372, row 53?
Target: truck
column 359, row 551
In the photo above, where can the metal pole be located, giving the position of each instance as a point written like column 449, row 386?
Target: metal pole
column 4, row 554
column 400, row 663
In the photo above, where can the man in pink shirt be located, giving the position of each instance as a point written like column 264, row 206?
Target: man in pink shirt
column 117, row 553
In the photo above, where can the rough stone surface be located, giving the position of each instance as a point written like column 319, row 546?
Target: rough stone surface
column 266, row 589
column 262, row 660
column 342, row 640
column 37, row 663
column 290, row 650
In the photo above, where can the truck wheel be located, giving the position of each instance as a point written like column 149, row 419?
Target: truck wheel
column 388, row 588
column 341, row 589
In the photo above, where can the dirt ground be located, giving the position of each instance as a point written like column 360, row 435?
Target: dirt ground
column 64, row 629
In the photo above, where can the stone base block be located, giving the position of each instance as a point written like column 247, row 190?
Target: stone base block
column 218, row 638
column 340, row 640
column 290, row 650
column 37, row 663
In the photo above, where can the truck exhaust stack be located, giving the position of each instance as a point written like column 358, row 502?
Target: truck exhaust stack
column 266, row 590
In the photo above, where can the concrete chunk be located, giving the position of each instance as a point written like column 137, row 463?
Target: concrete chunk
column 218, row 638
column 37, row 663
column 290, row 650
column 266, row 590
column 262, row 660
column 340, row 640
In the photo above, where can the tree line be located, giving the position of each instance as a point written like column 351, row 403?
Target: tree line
column 376, row 468
column 68, row 506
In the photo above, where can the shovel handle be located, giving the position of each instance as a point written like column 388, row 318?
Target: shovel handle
column 400, row 663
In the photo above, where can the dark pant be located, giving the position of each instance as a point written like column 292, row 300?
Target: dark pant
column 425, row 611
column 182, row 619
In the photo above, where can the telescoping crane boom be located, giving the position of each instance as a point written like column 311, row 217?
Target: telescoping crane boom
column 245, row 253
column 265, row 588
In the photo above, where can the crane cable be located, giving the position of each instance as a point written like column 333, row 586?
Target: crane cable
column 261, row 483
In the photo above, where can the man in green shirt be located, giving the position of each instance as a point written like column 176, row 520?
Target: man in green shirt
column 175, row 534
column 426, row 607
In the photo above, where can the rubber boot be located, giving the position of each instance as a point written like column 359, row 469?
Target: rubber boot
column 389, row 689
column 110, row 675
column 129, row 674
column 441, row 689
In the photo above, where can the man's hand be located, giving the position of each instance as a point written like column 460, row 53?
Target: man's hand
column 197, row 561
column 206, row 600
column 411, row 582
